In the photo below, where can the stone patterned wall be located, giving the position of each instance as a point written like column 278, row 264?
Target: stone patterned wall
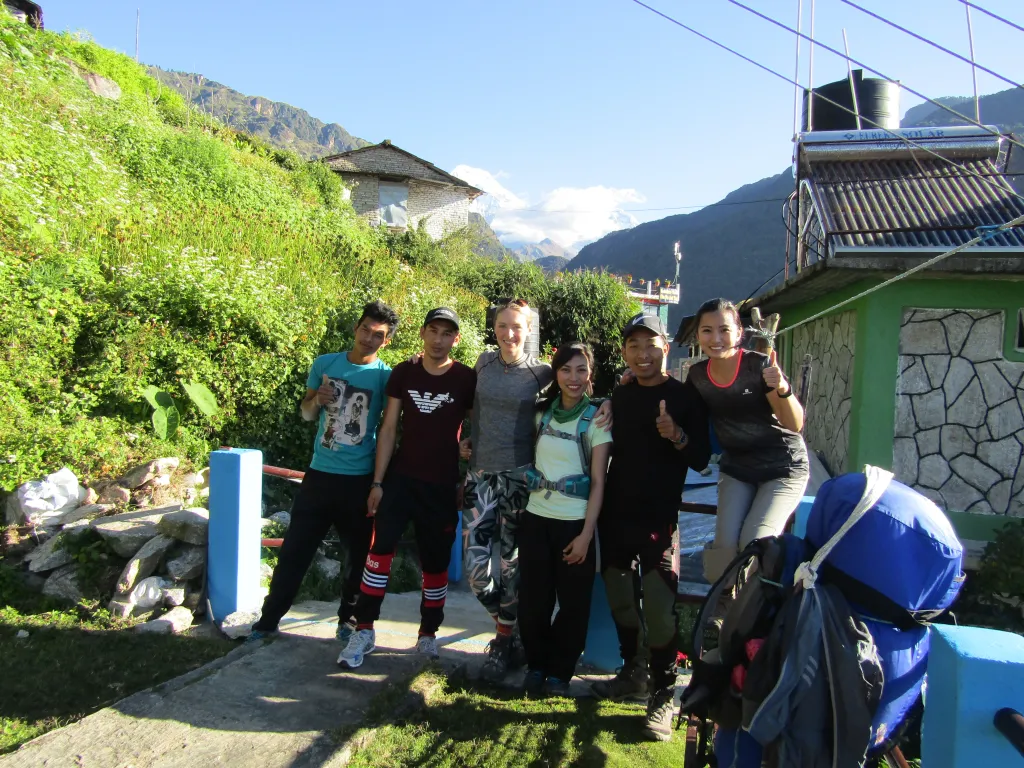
column 830, row 341
column 445, row 208
column 959, row 436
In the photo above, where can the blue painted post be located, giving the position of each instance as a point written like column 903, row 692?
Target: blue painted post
column 233, row 552
column 602, row 648
column 803, row 510
column 972, row 674
column 455, row 566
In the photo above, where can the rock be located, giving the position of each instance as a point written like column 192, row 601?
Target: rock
column 928, row 441
column 969, row 409
column 193, row 599
column 90, row 497
column 63, row 584
column 48, row 556
column 914, row 380
column 957, row 378
column 176, row 621
column 974, row 472
column 113, row 493
column 999, row 496
column 121, row 608
column 957, row 327
column 905, row 426
column 143, row 563
column 929, row 409
column 329, row 568
column 1012, row 372
column 933, row 472
column 955, row 441
column 174, row 596
column 936, row 366
column 192, row 479
column 993, row 385
column 101, row 86
column 1002, row 455
column 904, row 460
column 282, row 518
column 144, row 473
column 266, row 572
column 19, row 540
column 958, row 495
column 188, row 525
column 127, row 532
column 1005, row 419
column 985, row 341
column 21, row 634
column 925, row 338
column 187, row 565
column 239, row 624
column 85, row 512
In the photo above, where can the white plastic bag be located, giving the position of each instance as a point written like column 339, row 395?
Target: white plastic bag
column 149, row 592
column 42, row 502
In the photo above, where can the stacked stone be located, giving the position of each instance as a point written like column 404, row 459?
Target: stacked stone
column 959, row 432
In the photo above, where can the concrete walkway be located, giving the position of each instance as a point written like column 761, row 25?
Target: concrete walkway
column 279, row 703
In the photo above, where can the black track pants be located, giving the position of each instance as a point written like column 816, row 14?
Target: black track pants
column 434, row 514
column 324, row 499
column 638, row 568
column 553, row 645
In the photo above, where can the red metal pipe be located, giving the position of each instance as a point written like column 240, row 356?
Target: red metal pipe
column 269, row 469
column 271, row 542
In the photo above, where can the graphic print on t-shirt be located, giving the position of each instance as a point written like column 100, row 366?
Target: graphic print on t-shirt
column 346, row 416
column 428, row 402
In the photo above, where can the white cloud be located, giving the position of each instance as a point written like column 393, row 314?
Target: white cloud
column 570, row 216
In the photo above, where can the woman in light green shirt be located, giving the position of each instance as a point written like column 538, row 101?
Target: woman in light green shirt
column 556, row 534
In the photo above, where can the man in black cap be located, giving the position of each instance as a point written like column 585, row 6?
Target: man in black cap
column 659, row 427
column 420, row 483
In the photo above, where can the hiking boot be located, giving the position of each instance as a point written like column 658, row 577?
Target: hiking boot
column 631, row 682
column 344, row 632
column 517, row 656
column 362, row 642
column 258, row 635
column 427, row 646
column 499, row 652
column 533, row 685
column 660, row 712
column 555, row 686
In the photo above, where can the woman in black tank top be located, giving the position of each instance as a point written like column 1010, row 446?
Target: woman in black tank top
column 764, row 466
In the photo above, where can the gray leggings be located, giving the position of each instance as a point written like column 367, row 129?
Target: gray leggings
column 748, row 511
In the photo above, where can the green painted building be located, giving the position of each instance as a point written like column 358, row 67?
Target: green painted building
column 924, row 376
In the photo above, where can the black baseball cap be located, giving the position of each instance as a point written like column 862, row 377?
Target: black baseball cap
column 442, row 313
column 650, row 322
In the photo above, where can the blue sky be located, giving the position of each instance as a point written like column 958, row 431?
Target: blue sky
column 586, row 113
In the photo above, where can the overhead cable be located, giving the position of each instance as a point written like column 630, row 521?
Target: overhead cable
column 993, row 15
column 719, row 204
column 837, row 105
column 882, row 75
column 932, row 43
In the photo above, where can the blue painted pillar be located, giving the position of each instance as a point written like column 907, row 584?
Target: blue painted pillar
column 602, row 648
column 972, row 674
column 233, row 554
column 455, row 566
column 803, row 510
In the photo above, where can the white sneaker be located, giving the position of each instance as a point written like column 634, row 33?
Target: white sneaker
column 361, row 643
column 427, row 646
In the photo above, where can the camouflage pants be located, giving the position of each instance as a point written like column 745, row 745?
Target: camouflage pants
column 493, row 503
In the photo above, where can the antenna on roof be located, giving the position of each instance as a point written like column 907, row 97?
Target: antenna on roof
column 796, row 74
column 810, row 76
column 853, row 85
column 138, row 15
column 974, row 70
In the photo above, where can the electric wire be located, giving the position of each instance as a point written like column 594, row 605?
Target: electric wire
column 932, row 43
column 718, row 204
column 909, row 142
column 874, row 71
column 993, row 15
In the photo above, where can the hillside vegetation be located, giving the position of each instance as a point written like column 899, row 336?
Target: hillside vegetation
column 142, row 244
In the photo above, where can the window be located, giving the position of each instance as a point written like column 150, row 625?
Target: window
column 1020, row 330
column 394, row 204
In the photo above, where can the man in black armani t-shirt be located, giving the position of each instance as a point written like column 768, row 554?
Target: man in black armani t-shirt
column 659, row 428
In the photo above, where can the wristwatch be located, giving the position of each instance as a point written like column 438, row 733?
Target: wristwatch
column 789, row 391
column 682, row 437
column 376, row 485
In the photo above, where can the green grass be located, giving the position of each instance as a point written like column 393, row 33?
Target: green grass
column 462, row 725
column 77, row 660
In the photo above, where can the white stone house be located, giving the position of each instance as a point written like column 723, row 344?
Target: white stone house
column 400, row 190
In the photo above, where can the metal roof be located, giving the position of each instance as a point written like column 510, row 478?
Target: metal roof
column 908, row 202
column 364, row 160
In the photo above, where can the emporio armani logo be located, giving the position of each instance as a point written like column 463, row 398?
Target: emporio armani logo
column 427, row 402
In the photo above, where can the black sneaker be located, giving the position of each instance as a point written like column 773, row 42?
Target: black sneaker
column 499, row 652
column 631, row 682
column 660, row 712
column 517, row 656
column 533, row 685
column 555, row 686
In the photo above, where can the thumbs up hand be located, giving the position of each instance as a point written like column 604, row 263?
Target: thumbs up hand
column 667, row 428
column 325, row 394
column 773, row 376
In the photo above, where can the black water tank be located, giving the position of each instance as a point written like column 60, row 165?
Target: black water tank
column 878, row 101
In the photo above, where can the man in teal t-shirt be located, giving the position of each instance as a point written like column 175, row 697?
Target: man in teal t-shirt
column 345, row 391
